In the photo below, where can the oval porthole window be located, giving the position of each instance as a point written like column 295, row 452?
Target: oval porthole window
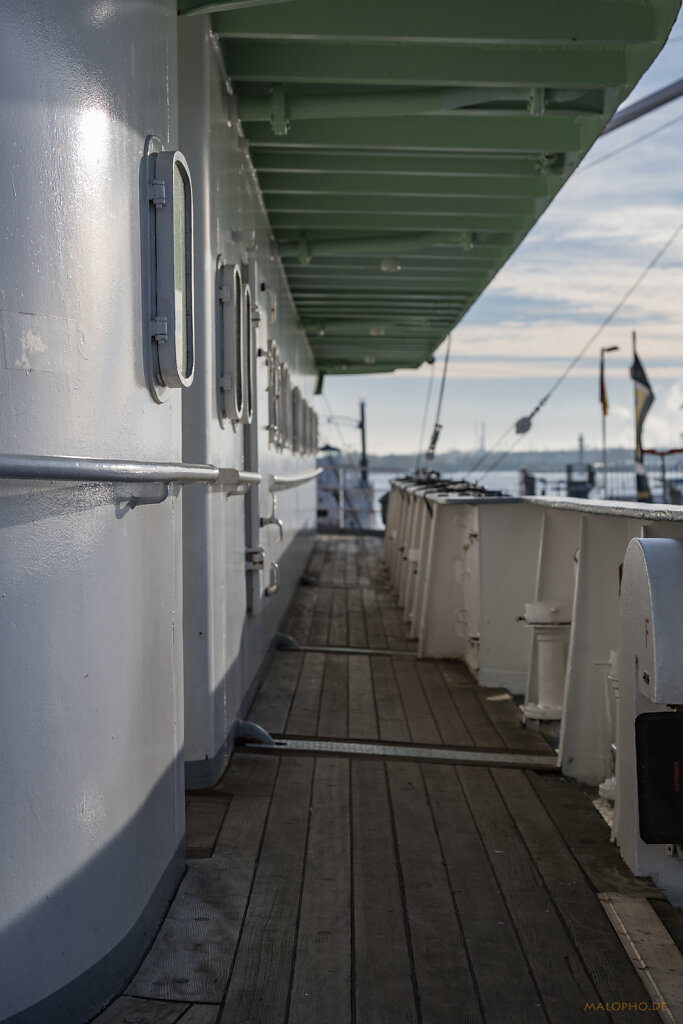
column 230, row 338
column 172, row 291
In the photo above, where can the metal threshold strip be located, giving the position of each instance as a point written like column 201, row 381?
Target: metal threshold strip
column 326, row 649
column 322, row 585
column 451, row 755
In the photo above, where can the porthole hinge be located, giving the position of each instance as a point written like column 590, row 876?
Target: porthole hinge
column 225, row 294
column 157, row 192
column 255, row 559
column 158, row 328
column 225, row 382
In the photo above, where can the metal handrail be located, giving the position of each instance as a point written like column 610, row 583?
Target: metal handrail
column 284, row 483
column 67, row 467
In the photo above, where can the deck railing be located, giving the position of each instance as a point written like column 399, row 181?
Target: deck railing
column 539, row 596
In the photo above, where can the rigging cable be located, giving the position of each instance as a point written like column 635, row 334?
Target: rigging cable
column 594, row 336
column 424, row 417
column 628, row 145
column 429, row 455
column 333, row 419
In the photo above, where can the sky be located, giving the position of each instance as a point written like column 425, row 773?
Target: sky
column 573, row 267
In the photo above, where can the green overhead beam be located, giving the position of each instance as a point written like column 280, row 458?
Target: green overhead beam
column 403, row 281
column 441, row 243
column 306, row 248
column 501, row 21
column 363, row 329
column 315, row 273
column 473, row 130
column 404, row 186
column 402, row 206
column 416, row 64
column 374, row 294
column 279, row 108
column 309, row 246
column 385, row 166
column 428, row 137
column 455, row 260
column 346, row 344
column 401, row 221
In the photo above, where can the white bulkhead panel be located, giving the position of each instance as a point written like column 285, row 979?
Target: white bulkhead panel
column 91, row 843
column 225, row 643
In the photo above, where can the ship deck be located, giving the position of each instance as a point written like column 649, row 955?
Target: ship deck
column 403, row 880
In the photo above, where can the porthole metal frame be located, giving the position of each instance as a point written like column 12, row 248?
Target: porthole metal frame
column 297, row 408
column 230, row 333
column 273, row 393
column 285, row 407
column 166, row 369
column 248, row 355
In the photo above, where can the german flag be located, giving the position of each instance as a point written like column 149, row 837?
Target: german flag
column 644, row 397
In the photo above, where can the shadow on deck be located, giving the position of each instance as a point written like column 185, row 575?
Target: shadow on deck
column 373, row 890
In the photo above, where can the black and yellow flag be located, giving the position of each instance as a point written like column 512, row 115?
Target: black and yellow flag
column 644, row 397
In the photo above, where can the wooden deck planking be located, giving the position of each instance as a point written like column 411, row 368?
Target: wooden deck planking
column 504, row 977
column 272, row 703
column 362, row 710
column 305, row 709
column 204, row 816
column 358, row 635
column 384, row 982
column 445, row 983
column 399, row 700
column 334, row 701
column 504, row 714
column 452, row 729
column 560, row 975
column 374, row 626
column 364, row 891
column 338, row 634
column 143, row 1011
column 322, row 976
column 259, row 984
column 587, row 836
column 391, row 717
column 419, row 718
column 570, row 892
column 191, row 955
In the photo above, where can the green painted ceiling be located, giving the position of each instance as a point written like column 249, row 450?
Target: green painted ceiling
column 429, row 135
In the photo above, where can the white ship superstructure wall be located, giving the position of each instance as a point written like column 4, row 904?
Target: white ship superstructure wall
column 225, row 642
column 102, row 584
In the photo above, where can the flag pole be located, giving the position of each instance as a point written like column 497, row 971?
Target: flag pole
column 605, row 408
column 604, row 424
